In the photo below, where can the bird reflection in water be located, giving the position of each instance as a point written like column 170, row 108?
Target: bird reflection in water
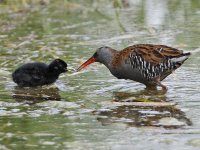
column 145, row 95
column 139, row 109
column 36, row 95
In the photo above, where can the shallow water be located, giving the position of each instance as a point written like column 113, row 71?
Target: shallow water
column 92, row 109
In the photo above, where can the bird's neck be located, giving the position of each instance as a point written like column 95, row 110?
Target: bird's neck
column 108, row 58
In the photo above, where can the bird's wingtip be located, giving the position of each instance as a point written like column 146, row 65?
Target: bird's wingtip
column 187, row 54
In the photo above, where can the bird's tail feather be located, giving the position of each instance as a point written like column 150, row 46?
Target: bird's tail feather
column 178, row 61
column 182, row 58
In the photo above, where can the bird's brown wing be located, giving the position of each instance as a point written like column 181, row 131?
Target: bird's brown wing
column 153, row 54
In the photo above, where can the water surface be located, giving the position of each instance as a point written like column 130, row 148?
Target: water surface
column 92, row 109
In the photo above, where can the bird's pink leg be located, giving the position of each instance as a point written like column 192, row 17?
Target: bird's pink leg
column 158, row 82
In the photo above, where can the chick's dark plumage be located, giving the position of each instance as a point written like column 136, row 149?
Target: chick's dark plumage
column 38, row 74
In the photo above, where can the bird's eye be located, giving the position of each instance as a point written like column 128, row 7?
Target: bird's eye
column 95, row 55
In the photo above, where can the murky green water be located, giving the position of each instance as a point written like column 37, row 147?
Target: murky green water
column 92, row 109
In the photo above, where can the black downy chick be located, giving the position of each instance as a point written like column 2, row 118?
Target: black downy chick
column 38, row 74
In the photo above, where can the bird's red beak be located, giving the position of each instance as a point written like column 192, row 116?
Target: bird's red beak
column 85, row 64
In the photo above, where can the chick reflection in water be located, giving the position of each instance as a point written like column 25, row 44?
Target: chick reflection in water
column 138, row 109
column 35, row 95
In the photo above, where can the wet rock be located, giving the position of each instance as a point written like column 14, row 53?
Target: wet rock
column 58, row 104
column 6, row 104
column 170, row 121
column 2, row 147
column 43, row 134
column 194, row 142
column 48, row 143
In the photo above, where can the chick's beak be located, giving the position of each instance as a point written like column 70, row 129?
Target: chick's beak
column 88, row 62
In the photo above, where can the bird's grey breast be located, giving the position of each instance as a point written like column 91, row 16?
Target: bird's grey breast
column 126, row 71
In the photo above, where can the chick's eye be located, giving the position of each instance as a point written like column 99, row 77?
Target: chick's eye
column 56, row 68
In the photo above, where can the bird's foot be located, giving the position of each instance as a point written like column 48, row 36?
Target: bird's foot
column 158, row 82
column 164, row 88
